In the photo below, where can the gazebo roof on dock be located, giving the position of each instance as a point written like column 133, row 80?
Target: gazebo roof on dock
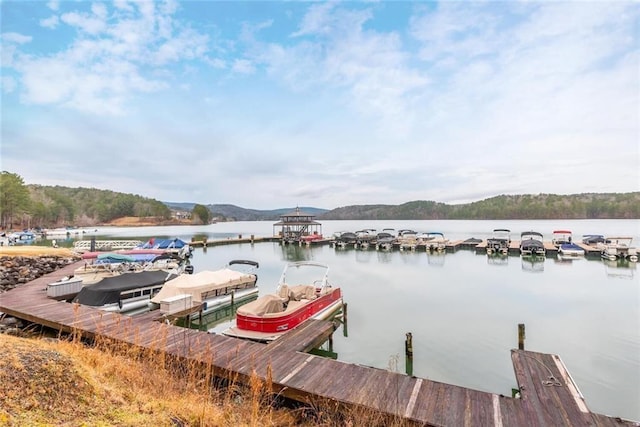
column 297, row 217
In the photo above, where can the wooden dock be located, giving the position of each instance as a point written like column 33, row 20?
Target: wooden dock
column 548, row 395
column 550, row 249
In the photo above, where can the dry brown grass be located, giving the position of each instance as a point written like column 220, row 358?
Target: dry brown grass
column 60, row 383
column 36, row 251
column 134, row 221
column 49, row 382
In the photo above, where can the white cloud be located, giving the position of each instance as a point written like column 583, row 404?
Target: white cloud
column 459, row 102
column 51, row 22
column 106, row 65
column 16, row 38
column 53, row 4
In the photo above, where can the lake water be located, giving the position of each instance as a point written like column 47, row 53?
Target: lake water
column 463, row 308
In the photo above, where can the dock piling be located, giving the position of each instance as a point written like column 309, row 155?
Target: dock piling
column 408, row 351
column 521, row 336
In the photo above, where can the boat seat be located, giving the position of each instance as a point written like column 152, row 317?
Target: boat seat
column 299, row 292
column 283, row 291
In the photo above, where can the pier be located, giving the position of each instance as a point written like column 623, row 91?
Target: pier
column 547, row 395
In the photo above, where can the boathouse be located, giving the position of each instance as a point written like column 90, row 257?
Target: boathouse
column 297, row 226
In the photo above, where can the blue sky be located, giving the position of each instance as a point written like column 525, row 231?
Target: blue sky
column 275, row 104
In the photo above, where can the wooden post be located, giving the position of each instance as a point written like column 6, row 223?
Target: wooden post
column 521, row 336
column 345, row 331
column 408, row 351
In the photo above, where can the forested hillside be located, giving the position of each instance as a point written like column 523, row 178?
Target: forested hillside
column 541, row 206
column 64, row 205
column 23, row 206
column 46, row 206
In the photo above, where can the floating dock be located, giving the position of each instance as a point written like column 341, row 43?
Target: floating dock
column 547, row 394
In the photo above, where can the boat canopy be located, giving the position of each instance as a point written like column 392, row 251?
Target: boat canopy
column 200, row 283
column 108, row 290
column 530, row 233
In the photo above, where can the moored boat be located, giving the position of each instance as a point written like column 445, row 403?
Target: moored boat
column 303, row 292
column 345, row 239
column 385, row 240
column 619, row 248
column 531, row 243
column 562, row 239
column 124, row 293
column 208, row 290
column 499, row 242
column 433, row 241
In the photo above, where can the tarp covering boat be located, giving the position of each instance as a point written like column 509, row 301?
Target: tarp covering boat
column 203, row 283
column 112, row 257
column 108, row 290
column 164, row 244
column 266, row 304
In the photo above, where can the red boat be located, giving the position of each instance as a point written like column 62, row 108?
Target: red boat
column 296, row 300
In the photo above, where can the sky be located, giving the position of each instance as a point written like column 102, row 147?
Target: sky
column 276, row 104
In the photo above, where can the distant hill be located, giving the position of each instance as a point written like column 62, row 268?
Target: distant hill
column 236, row 213
column 540, row 206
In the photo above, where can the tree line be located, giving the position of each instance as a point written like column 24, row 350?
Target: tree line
column 540, row 206
column 30, row 206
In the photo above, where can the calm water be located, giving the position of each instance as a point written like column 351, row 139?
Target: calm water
column 463, row 308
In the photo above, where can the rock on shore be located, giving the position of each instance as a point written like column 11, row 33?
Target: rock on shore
column 16, row 270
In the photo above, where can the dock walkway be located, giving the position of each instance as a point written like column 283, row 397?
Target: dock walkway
column 549, row 396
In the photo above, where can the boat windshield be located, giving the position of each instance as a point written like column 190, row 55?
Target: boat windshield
column 305, row 273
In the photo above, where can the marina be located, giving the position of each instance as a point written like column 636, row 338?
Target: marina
column 546, row 393
column 460, row 305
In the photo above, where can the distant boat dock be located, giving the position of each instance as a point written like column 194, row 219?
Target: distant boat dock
column 547, row 395
column 479, row 245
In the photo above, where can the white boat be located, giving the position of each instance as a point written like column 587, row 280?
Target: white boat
column 433, row 241
column 207, row 290
column 562, row 239
column 407, row 239
column 500, row 241
column 619, row 248
column 68, row 233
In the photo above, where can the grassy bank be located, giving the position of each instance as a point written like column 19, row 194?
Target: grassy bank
column 54, row 383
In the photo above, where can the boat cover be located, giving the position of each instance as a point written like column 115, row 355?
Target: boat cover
column 107, row 290
column 264, row 305
column 202, row 282
column 164, row 244
column 111, row 257
column 299, row 292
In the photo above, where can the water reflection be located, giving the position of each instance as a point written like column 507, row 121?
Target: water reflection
column 566, row 259
column 363, row 255
column 498, row 259
column 619, row 268
column 385, row 257
column 435, row 259
column 296, row 253
column 533, row 264
column 215, row 317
